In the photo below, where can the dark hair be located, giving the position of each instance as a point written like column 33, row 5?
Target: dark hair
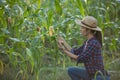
column 98, row 36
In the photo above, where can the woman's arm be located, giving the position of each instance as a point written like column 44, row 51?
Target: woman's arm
column 70, row 54
column 65, row 44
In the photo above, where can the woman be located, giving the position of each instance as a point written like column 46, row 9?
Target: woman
column 89, row 53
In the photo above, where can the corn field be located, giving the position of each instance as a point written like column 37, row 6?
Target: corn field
column 28, row 31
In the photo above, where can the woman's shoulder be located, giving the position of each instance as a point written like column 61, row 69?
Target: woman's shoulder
column 94, row 41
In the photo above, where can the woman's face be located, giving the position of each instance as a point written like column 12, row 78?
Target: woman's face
column 83, row 30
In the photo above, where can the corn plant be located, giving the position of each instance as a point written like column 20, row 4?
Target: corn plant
column 28, row 31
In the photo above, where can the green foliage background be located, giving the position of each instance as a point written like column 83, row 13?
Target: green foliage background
column 28, row 30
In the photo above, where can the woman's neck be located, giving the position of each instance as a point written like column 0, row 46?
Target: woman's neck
column 90, row 36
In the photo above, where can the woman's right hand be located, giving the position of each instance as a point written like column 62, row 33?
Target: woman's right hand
column 60, row 46
column 61, row 40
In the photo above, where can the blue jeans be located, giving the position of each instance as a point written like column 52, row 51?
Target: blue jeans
column 81, row 73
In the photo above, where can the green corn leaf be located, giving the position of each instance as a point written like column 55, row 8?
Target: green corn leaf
column 39, row 4
column 81, row 8
column 29, row 53
column 19, row 73
column 50, row 17
column 15, row 39
column 101, row 75
column 30, row 57
column 58, row 7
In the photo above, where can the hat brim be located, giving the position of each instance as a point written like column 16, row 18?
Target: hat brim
column 79, row 23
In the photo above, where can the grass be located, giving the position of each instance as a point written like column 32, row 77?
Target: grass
column 61, row 74
column 48, row 74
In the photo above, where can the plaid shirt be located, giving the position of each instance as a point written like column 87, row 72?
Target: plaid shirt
column 90, row 55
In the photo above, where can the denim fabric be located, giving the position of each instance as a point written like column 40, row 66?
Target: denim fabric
column 77, row 73
column 81, row 73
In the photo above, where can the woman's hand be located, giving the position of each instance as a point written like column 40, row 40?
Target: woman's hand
column 60, row 46
column 61, row 40
column 63, row 49
column 64, row 43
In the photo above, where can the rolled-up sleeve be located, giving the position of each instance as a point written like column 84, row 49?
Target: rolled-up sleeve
column 87, row 52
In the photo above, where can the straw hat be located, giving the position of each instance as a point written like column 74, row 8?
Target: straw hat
column 89, row 22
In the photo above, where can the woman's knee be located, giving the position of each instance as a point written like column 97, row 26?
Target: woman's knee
column 70, row 70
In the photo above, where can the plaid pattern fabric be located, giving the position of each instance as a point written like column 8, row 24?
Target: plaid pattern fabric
column 90, row 55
